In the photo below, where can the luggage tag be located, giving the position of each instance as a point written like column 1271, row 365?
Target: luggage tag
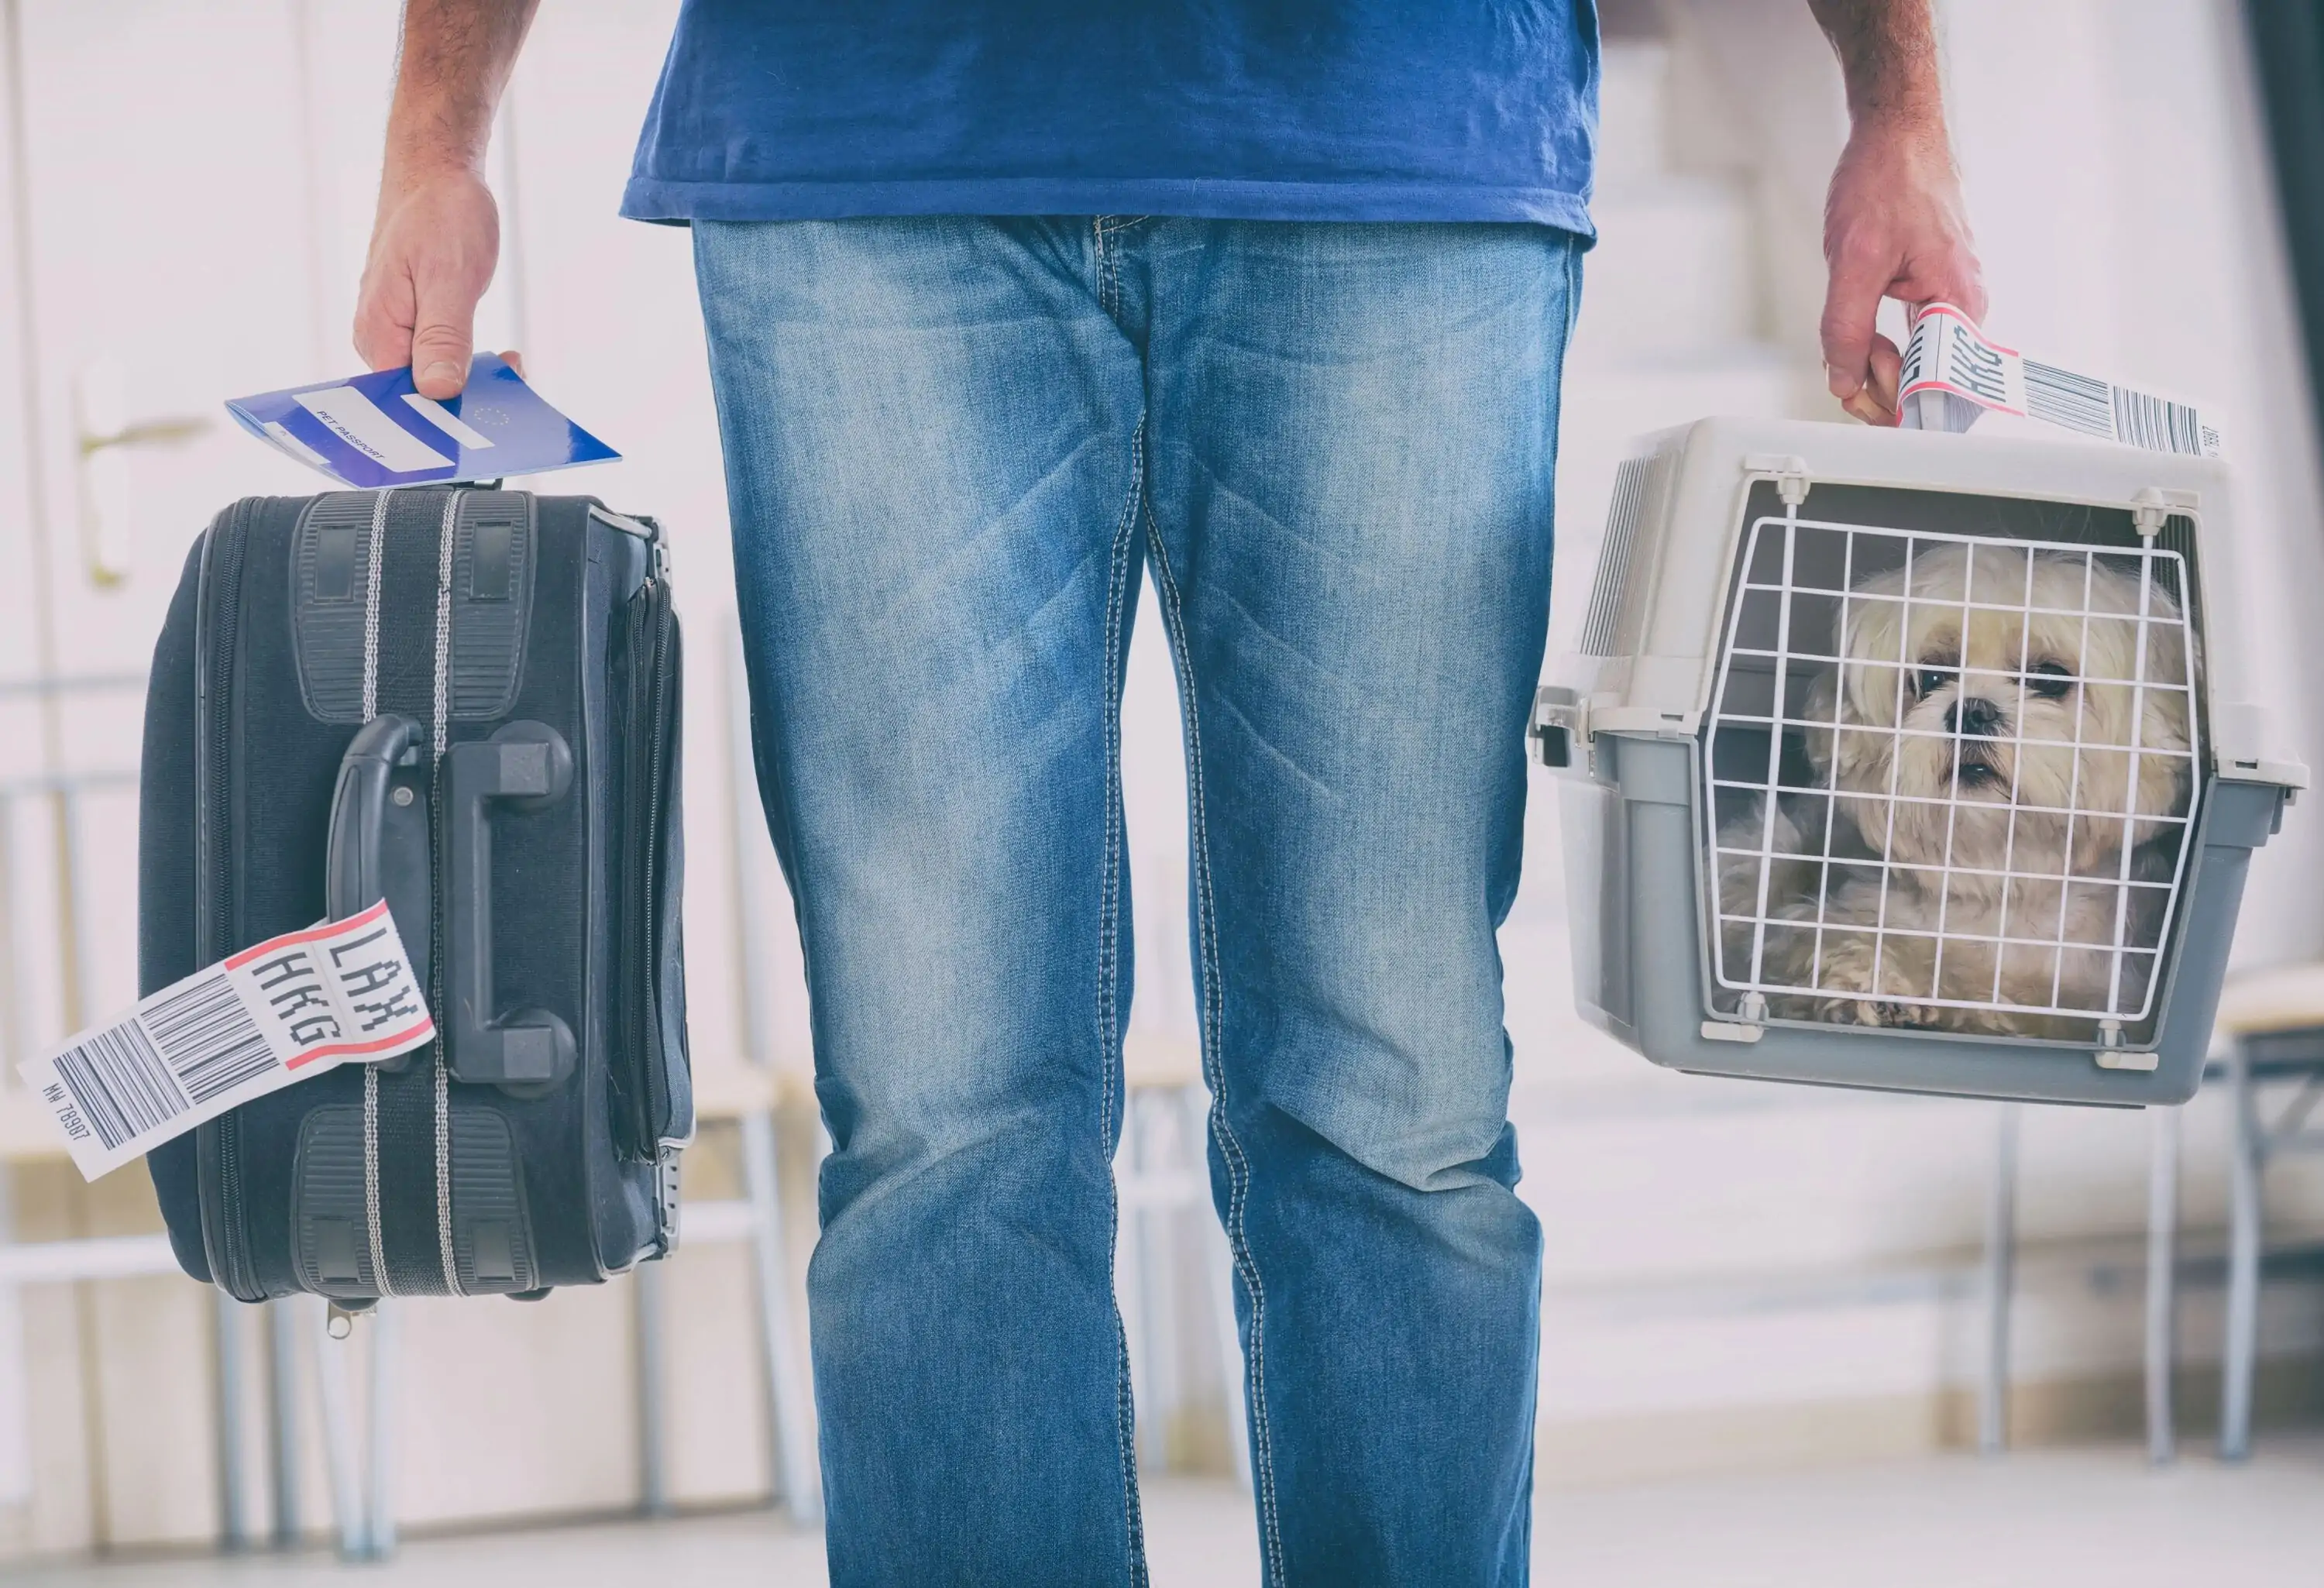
column 376, row 430
column 1954, row 373
column 275, row 1014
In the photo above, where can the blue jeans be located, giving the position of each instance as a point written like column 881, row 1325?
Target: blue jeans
column 953, row 447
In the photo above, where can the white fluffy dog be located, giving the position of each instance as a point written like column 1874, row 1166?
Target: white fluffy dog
column 1990, row 759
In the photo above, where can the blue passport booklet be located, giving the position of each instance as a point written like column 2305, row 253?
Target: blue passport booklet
column 374, row 430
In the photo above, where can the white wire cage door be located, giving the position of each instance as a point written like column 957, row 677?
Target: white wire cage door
column 1950, row 780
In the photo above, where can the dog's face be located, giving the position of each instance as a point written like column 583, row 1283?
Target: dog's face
column 1989, row 704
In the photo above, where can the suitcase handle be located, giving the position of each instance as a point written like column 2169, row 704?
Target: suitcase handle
column 378, row 847
column 525, row 766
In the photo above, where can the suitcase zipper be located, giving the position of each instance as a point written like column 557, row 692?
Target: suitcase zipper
column 224, row 1216
column 657, row 1072
column 650, row 659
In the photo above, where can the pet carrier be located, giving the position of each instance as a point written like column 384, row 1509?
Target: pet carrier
column 1919, row 761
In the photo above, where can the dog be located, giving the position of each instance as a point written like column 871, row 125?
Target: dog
column 1975, row 747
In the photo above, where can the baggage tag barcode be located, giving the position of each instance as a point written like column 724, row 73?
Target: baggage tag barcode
column 1953, row 372
column 277, row 1013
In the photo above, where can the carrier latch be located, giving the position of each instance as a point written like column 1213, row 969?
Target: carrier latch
column 1750, row 1027
column 1561, row 724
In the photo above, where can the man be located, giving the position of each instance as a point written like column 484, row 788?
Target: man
column 1010, row 304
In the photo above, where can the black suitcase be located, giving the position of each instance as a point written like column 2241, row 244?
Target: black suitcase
column 465, row 701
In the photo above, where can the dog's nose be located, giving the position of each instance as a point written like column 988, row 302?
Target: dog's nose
column 1975, row 718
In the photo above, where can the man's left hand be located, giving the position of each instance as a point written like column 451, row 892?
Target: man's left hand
column 1893, row 227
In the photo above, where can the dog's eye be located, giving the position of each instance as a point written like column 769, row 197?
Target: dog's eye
column 2048, row 680
column 1931, row 680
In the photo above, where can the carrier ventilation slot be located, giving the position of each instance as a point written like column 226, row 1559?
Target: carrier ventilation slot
column 1605, row 614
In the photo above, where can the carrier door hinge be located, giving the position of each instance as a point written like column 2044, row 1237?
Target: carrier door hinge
column 1560, row 727
column 2152, row 508
column 1644, row 720
column 1788, row 470
column 2112, row 1054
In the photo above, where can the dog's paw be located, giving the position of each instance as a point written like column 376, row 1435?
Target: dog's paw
column 1873, row 1012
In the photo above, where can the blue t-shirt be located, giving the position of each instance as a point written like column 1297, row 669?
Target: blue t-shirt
column 1249, row 110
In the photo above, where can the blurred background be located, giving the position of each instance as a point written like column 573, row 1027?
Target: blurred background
column 1775, row 1321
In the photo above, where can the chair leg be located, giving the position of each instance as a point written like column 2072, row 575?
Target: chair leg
column 233, row 1456
column 283, row 1354
column 15, row 1387
column 648, row 1311
column 1233, row 1377
column 386, row 1339
column 2246, row 1162
column 794, row 1465
column 2162, row 1280
column 1166, row 1150
column 2000, row 1278
column 340, row 1457
column 1133, row 1282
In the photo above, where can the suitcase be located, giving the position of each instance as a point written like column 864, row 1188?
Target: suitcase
column 464, row 701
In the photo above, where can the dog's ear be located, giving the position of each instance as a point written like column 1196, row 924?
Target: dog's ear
column 1874, row 647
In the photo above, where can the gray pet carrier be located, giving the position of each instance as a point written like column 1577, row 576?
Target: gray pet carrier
column 1918, row 761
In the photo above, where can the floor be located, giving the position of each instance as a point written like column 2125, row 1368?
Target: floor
column 2044, row 1517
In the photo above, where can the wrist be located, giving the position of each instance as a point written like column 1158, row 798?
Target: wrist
column 1909, row 144
column 405, row 172
column 1910, row 124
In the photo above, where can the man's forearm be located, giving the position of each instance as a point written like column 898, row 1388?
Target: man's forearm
column 453, row 64
column 1894, row 222
column 1888, row 52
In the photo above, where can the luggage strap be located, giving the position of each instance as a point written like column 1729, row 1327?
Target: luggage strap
column 413, row 1279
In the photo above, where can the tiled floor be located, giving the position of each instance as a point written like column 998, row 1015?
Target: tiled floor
column 2058, row 1519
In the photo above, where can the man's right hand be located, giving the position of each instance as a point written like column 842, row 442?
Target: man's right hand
column 432, row 252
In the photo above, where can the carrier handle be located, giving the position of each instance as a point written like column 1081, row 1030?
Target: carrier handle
column 378, row 846
column 525, row 766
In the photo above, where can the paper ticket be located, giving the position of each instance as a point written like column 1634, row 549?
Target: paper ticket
column 277, row 1013
column 1953, row 372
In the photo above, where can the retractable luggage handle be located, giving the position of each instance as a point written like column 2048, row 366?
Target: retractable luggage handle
column 525, row 765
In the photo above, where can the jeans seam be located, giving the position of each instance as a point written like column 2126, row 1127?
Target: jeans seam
column 1213, row 1068
column 1107, row 1012
column 1105, row 302
column 1572, row 297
